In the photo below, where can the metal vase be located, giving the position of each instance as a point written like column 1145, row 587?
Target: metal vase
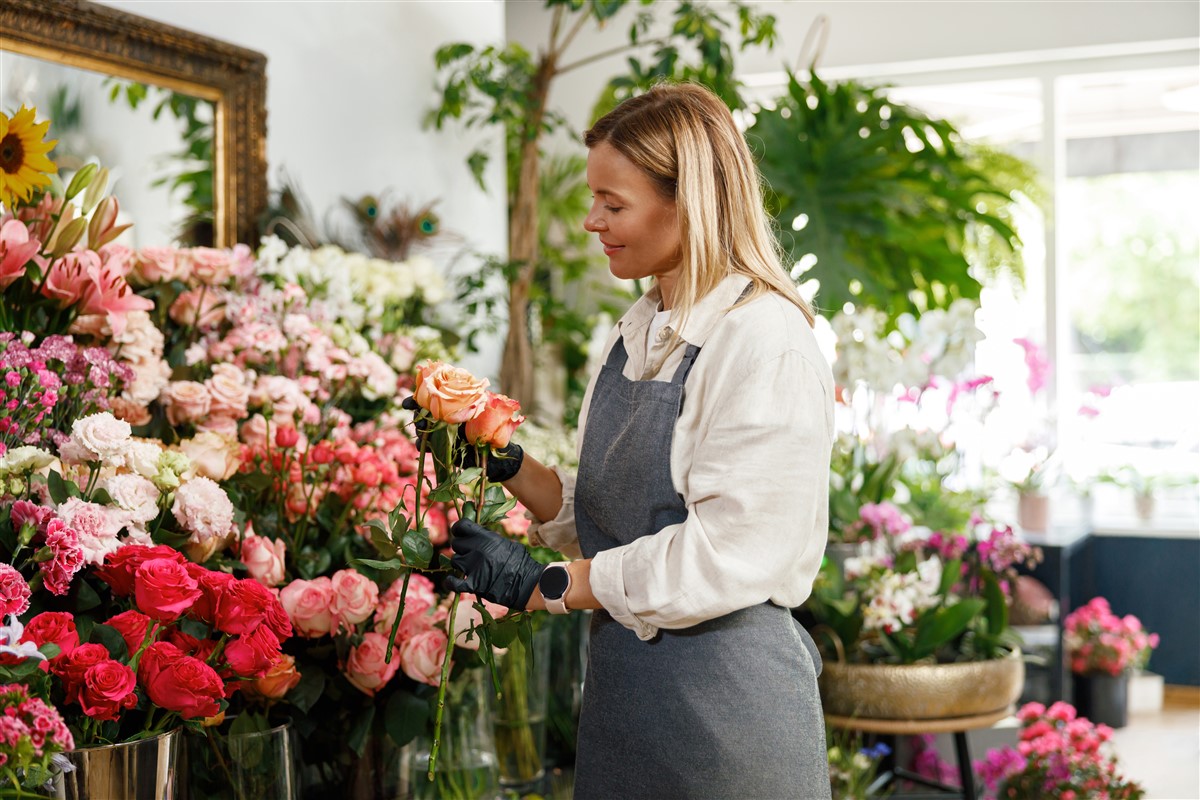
column 142, row 770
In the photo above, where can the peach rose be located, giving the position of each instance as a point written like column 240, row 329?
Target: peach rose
column 354, row 598
column 211, row 266
column 229, row 391
column 495, row 424
column 366, row 666
column 451, row 394
column 279, row 680
column 186, row 401
column 421, row 656
column 212, row 455
column 202, row 308
column 307, row 604
column 254, row 431
column 264, row 559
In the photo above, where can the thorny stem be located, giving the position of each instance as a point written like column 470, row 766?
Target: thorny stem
column 445, row 679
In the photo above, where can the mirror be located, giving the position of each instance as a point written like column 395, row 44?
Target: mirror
column 48, row 44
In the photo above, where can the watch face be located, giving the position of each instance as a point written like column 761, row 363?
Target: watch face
column 554, row 581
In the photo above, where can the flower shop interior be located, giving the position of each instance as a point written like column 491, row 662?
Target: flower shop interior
column 235, row 236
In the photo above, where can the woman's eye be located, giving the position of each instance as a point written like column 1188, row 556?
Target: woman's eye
column 612, row 209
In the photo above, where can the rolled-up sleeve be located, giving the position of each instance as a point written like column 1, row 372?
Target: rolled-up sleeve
column 755, row 484
column 558, row 533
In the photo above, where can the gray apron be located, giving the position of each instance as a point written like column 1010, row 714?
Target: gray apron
column 725, row 709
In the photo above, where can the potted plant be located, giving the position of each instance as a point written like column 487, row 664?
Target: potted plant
column 1104, row 650
column 1060, row 755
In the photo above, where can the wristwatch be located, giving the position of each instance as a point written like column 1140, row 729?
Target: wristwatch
column 553, row 585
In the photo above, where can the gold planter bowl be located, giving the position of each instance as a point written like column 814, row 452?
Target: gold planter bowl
column 922, row 691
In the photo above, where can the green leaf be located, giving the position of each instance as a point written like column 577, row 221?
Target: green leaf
column 113, row 641
column 248, row 722
column 85, row 596
column 405, row 717
column 58, row 488
column 360, row 730
column 308, row 690
column 944, row 624
column 477, row 162
column 417, row 549
column 997, row 605
column 391, row 563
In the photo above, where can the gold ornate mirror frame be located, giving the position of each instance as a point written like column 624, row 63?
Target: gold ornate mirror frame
column 95, row 37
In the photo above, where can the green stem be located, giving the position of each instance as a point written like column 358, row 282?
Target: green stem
column 441, row 701
column 387, row 658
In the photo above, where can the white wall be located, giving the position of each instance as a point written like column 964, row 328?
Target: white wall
column 862, row 34
column 348, row 84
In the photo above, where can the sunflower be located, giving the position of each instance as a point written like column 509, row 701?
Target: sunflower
column 23, row 162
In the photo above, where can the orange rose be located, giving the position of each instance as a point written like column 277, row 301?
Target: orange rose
column 495, row 424
column 279, row 680
column 451, row 394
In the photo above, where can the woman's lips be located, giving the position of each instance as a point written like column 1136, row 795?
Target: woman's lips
column 609, row 249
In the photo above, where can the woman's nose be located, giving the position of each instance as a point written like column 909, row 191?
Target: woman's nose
column 592, row 223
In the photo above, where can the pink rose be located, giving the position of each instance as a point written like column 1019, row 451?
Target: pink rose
column 156, row 264
column 252, row 654
column 366, row 666
column 242, row 606
column 211, row 266
column 254, row 431
column 228, row 390
column 132, row 625
column 307, row 604
column 198, row 308
column 421, row 656
column 354, row 598
column 55, row 627
column 179, row 682
column 264, row 559
column 186, row 401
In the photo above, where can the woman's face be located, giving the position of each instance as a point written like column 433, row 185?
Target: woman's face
column 635, row 223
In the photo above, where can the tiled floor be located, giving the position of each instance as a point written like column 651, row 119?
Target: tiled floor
column 1161, row 750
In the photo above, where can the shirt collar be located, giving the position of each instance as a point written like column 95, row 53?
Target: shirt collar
column 704, row 317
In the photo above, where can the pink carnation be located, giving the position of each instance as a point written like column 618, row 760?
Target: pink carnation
column 14, row 592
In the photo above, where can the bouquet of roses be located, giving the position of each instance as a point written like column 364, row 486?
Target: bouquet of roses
column 1058, row 755
column 1098, row 641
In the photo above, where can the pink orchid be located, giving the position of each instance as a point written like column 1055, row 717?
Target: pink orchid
column 17, row 248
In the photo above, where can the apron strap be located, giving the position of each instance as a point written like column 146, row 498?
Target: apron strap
column 617, row 356
column 685, row 366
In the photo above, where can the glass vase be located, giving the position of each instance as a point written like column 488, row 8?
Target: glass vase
column 519, row 713
column 466, row 760
column 143, row 770
column 223, row 764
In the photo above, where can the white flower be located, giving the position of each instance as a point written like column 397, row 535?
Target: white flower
column 142, row 457
column 11, row 644
column 203, row 509
column 102, row 437
column 25, row 458
column 135, row 495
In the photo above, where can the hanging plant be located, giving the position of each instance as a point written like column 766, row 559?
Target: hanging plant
column 885, row 206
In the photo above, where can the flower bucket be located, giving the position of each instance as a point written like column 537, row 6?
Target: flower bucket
column 1104, row 699
column 922, row 691
column 224, row 764
column 143, row 770
column 466, row 767
column 519, row 714
column 1033, row 511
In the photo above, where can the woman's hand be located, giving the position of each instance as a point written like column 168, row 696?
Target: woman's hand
column 496, row 568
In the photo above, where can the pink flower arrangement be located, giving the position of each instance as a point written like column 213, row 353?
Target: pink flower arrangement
column 1058, row 755
column 32, row 732
column 1098, row 641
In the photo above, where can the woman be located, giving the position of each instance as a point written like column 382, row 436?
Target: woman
column 699, row 512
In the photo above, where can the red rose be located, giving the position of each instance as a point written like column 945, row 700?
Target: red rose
column 179, row 682
column 212, row 585
column 71, row 669
column 132, row 626
column 277, row 618
column 121, row 566
column 242, row 607
column 108, row 687
column 252, row 654
column 163, row 589
column 190, row 645
column 57, row 627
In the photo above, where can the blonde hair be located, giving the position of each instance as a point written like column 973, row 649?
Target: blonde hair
column 683, row 138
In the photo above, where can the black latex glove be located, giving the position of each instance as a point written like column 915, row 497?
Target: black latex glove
column 502, row 464
column 497, row 569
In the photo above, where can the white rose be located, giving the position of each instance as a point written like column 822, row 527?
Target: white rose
column 103, row 436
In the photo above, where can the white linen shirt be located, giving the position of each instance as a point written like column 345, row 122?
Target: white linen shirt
column 750, row 458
